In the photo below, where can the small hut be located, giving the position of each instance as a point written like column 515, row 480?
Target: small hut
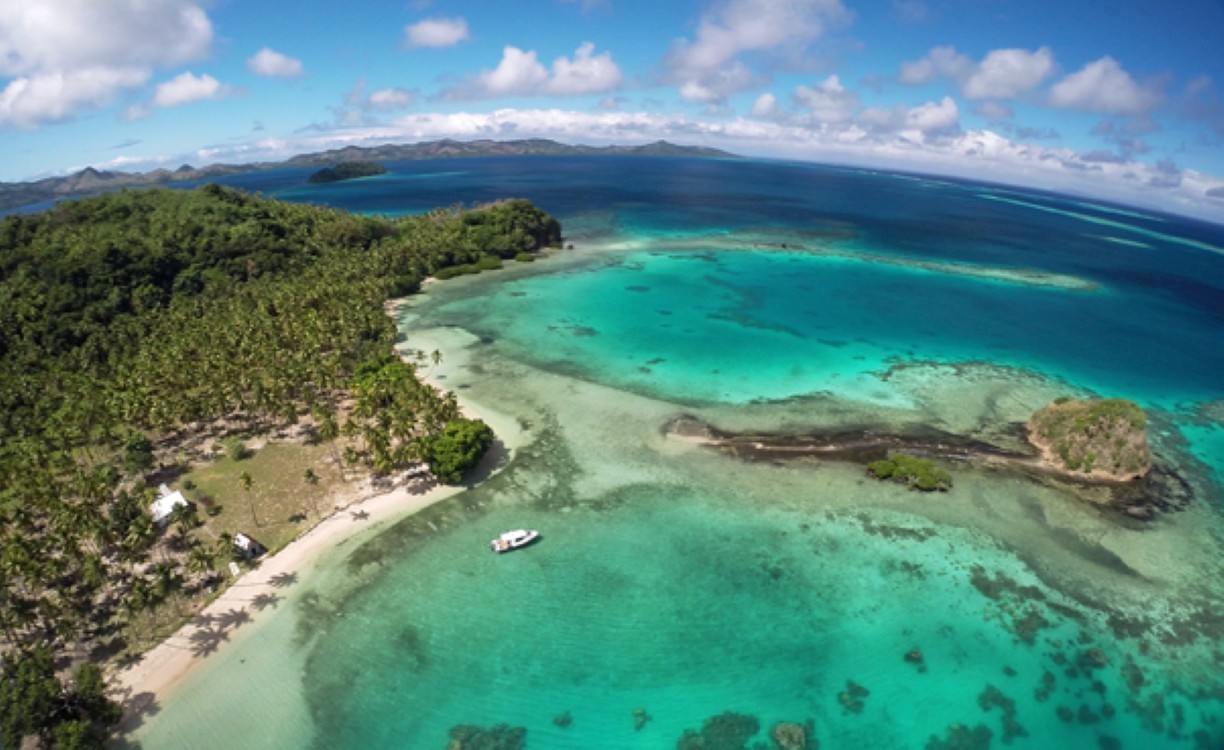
column 248, row 546
column 164, row 506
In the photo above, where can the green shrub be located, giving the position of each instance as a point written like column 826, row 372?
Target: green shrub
column 914, row 472
column 461, row 445
column 525, row 257
column 235, row 448
column 882, row 469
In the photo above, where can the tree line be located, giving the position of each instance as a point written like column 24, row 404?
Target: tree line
column 127, row 317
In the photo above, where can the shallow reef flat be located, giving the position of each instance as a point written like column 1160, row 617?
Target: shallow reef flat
column 835, row 246
column 682, row 596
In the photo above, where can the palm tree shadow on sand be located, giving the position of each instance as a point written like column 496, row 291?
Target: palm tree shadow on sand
column 136, row 708
column 283, row 580
column 263, row 601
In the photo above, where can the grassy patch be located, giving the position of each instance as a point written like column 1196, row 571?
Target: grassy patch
column 280, row 497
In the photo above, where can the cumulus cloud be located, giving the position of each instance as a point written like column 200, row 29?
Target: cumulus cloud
column 828, row 101
column 1104, row 87
column 766, row 107
column 362, row 109
column 1008, row 73
column 1002, row 74
column 969, row 153
column 587, row 73
column 270, row 63
column 940, row 62
column 931, row 118
column 934, row 117
column 188, row 87
column 389, row 99
column 708, row 69
column 30, row 101
column 520, row 73
column 66, row 56
column 435, row 32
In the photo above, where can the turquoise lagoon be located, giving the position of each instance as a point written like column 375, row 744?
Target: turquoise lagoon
column 679, row 583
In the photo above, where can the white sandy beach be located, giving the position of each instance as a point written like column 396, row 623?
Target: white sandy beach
column 155, row 676
column 163, row 667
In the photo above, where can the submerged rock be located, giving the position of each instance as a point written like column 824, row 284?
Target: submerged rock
column 791, row 736
column 563, row 720
column 1093, row 658
column 498, row 737
column 992, row 697
column 640, row 719
column 852, row 697
column 961, row 737
column 727, row 731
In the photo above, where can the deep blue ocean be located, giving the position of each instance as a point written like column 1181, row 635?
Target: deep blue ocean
column 675, row 585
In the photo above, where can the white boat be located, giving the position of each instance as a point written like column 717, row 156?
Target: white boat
column 513, row 540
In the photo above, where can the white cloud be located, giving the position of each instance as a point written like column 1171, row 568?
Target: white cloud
column 520, row 73
column 60, row 35
column 940, row 62
column 968, row 154
column 931, row 118
column 587, row 73
column 1002, row 74
column 29, row 101
column 706, row 68
column 766, row 107
column 65, row 56
column 1103, row 87
column 828, row 101
column 1008, row 73
column 268, row 62
column 188, row 87
column 934, row 117
column 389, row 99
column 436, row 32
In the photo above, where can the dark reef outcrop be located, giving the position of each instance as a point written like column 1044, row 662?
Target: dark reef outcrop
column 1160, row 490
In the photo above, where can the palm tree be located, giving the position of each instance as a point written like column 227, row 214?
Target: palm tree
column 246, row 482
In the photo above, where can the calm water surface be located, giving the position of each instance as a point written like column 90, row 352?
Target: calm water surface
column 674, row 584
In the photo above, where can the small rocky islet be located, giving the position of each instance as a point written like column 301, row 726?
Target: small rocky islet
column 1085, row 446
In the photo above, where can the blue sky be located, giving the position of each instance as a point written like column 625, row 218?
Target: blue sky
column 1123, row 100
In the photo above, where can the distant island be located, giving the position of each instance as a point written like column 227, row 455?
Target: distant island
column 349, row 170
column 90, row 181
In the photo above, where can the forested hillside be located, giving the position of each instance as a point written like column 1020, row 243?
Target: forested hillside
column 127, row 317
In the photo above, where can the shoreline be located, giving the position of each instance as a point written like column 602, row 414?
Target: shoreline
column 163, row 668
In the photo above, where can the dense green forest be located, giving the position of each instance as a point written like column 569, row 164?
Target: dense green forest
column 349, row 170
column 128, row 318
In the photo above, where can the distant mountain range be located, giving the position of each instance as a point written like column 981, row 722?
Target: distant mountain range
column 89, row 180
